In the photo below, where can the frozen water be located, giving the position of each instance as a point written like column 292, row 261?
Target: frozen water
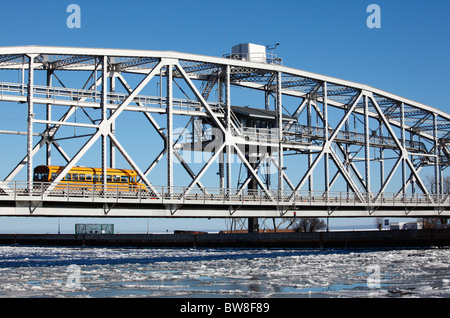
column 141, row 272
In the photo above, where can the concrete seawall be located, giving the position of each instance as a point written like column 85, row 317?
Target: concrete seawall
column 410, row 238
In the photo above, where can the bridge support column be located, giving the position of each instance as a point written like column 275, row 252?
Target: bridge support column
column 112, row 147
column 367, row 145
column 30, row 119
column 253, row 225
column 104, row 136
column 48, row 156
column 326, row 136
column 437, row 174
column 279, row 118
column 228, row 122
column 169, row 136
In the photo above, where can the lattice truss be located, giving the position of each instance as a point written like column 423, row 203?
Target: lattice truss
column 170, row 117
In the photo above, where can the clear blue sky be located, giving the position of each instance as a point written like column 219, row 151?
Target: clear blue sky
column 408, row 56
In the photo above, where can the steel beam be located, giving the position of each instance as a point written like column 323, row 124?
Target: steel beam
column 437, row 178
column 403, row 139
column 279, row 108
column 326, row 138
column 48, row 154
column 169, row 137
column 30, row 119
column 228, row 124
column 104, row 114
column 366, row 142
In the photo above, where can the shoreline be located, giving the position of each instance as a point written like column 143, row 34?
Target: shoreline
column 409, row 238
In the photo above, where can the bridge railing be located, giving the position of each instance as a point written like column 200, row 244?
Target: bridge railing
column 37, row 191
column 298, row 132
column 55, row 94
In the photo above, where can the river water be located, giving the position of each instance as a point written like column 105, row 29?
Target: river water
column 29, row 272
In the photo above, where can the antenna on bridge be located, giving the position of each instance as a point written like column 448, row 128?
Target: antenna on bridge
column 271, row 57
column 272, row 48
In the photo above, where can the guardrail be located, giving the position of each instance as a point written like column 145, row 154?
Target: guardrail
column 303, row 133
column 56, row 94
column 260, row 57
column 37, row 191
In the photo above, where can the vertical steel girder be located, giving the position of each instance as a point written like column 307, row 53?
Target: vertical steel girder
column 436, row 158
column 30, row 118
column 49, row 118
column 326, row 133
column 112, row 148
column 169, row 141
column 104, row 111
column 310, row 156
column 280, row 133
column 403, row 138
column 228, row 123
column 367, row 143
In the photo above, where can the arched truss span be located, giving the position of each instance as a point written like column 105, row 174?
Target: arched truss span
column 309, row 135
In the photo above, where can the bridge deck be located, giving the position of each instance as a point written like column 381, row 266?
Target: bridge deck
column 71, row 200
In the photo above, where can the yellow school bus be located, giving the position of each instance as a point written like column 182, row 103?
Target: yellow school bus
column 87, row 178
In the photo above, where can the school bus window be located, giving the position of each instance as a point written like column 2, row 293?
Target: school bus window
column 40, row 176
column 108, row 178
column 74, row 176
column 89, row 177
column 67, row 177
column 82, row 176
column 54, row 175
column 124, row 179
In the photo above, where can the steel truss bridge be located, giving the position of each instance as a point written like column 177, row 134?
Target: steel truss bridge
column 333, row 148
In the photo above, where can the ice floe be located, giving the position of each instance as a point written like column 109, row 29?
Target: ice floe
column 141, row 272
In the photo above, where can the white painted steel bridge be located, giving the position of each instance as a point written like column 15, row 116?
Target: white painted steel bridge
column 231, row 136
